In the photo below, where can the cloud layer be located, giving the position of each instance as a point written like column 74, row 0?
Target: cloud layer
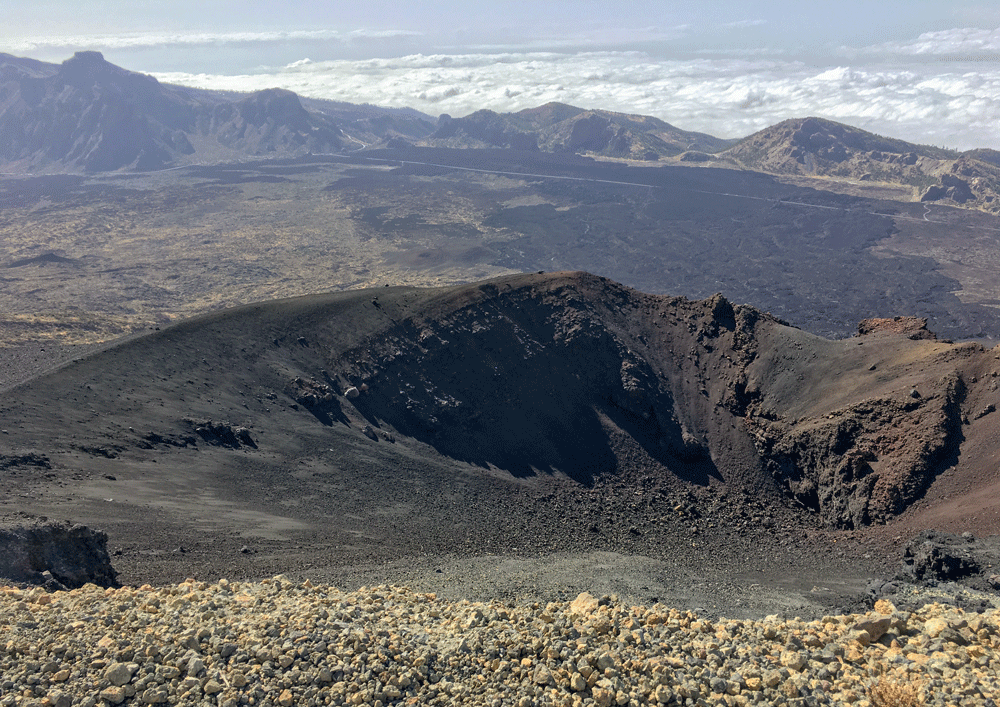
column 965, row 42
column 140, row 40
column 954, row 104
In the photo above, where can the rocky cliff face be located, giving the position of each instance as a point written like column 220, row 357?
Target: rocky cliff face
column 92, row 115
column 868, row 461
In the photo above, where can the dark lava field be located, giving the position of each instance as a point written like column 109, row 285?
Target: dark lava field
column 87, row 259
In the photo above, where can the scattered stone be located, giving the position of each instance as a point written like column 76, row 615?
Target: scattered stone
column 284, row 643
column 351, row 393
column 120, row 673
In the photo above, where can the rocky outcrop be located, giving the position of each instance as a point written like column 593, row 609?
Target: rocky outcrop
column 310, row 392
column 940, row 557
column 951, row 187
column 59, row 555
column 223, row 434
column 864, row 463
column 913, row 327
column 25, row 459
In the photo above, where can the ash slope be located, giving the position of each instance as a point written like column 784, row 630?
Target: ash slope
column 525, row 414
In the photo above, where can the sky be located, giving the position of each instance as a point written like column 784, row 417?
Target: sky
column 923, row 71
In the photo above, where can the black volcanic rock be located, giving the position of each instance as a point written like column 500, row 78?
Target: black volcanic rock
column 71, row 555
column 938, row 556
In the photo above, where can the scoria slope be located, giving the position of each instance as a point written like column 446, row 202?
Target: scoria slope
column 524, row 413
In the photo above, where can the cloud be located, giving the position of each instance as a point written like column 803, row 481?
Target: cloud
column 145, row 40
column 740, row 24
column 958, row 107
column 959, row 42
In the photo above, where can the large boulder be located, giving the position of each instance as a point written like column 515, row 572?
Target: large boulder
column 56, row 554
column 939, row 556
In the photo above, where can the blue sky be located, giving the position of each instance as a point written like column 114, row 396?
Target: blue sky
column 378, row 28
column 923, row 71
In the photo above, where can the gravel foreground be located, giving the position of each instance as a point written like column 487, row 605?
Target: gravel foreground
column 276, row 642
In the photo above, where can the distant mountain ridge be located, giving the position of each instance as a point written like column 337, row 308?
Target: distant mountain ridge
column 89, row 115
column 819, row 147
column 557, row 127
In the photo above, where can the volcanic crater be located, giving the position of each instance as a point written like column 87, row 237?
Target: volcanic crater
column 521, row 417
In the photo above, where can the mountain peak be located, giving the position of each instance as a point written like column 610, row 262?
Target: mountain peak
column 278, row 105
column 90, row 67
column 85, row 63
column 92, row 57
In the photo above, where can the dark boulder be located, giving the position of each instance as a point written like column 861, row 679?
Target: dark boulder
column 56, row 555
column 223, row 434
column 938, row 556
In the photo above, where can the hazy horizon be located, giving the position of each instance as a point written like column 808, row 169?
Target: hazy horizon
column 914, row 70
